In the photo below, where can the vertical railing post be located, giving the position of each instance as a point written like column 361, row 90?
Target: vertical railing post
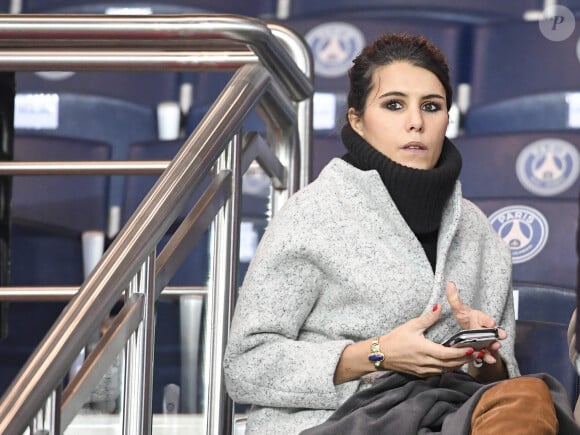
column 190, row 312
column 54, row 406
column 47, row 420
column 224, row 274
column 137, row 397
column 301, row 55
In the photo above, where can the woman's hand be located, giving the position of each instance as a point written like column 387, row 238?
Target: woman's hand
column 407, row 350
column 468, row 318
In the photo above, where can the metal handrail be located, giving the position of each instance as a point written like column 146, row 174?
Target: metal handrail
column 122, row 260
column 118, row 33
column 95, row 167
column 178, row 182
column 163, row 42
column 66, row 293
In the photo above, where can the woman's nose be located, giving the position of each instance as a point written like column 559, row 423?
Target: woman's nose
column 415, row 120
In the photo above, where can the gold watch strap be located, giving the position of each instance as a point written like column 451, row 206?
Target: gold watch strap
column 376, row 356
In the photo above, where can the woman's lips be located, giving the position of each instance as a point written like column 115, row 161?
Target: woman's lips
column 414, row 146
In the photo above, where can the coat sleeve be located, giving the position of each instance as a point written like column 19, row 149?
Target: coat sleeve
column 493, row 290
column 500, row 294
column 270, row 360
column 507, row 350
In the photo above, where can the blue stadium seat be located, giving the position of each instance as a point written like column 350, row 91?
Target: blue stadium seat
column 256, row 8
column 521, row 80
column 336, row 42
column 28, row 322
column 528, row 185
column 49, row 213
column 573, row 5
column 544, row 303
column 324, row 149
column 542, row 347
column 521, row 165
column 448, row 9
column 550, row 111
column 540, row 235
column 49, row 209
column 542, row 65
column 88, row 117
column 539, row 171
column 144, row 88
column 114, row 121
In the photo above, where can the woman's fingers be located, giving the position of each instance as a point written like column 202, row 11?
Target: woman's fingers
column 460, row 310
column 467, row 317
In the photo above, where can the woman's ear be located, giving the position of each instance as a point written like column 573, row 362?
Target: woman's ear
column 355, row 121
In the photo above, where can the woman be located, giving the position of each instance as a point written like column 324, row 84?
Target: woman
column 364, row 273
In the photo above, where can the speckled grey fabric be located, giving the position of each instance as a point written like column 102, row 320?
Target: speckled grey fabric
column 338, row 264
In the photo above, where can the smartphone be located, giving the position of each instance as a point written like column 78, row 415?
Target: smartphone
column 474, row 338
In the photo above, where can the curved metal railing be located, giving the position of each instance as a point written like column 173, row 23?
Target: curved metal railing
column 273, row 71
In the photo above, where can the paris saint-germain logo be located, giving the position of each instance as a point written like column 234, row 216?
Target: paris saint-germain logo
column 548, row 166
column 523, row 228
column 334, row 45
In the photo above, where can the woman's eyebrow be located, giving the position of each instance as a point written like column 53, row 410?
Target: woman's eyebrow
column 431, row 96
column 393, row 94
column 402, row 94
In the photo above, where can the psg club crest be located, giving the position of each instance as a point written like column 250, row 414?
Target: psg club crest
column 334, row 45
column 523, row 228
column 548, row 167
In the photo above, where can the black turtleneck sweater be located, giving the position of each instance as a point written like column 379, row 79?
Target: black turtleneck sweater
column 420, row 195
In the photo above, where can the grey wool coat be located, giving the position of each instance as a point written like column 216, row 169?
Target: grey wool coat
column 338, row 264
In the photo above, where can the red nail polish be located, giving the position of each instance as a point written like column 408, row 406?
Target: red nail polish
column 436, row 307
column 469, row 352
column 480, row 354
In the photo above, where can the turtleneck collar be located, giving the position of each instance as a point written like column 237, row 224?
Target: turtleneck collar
column 420, row 195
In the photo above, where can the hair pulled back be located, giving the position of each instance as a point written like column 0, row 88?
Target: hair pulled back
column 390, row 48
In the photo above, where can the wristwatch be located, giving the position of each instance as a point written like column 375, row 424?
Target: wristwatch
column 376, row 356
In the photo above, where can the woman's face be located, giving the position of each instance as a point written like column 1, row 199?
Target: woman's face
column 405, row 117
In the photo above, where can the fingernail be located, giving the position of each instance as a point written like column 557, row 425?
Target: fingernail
column 435, row 307
column 469, row 351
column 480, row 354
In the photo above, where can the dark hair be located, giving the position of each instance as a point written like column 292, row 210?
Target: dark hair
column 389, row 48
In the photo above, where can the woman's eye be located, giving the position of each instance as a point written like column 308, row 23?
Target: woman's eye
column 394, row 105
column 431, row 107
